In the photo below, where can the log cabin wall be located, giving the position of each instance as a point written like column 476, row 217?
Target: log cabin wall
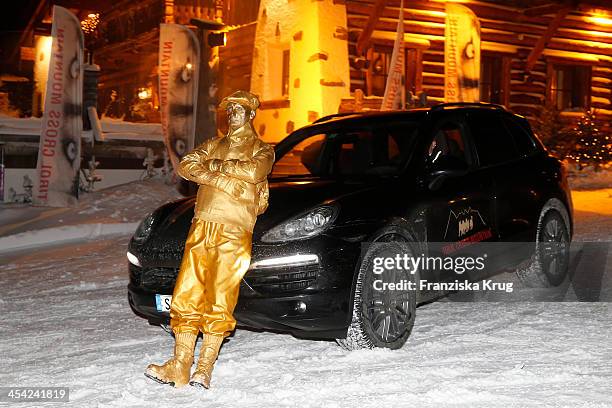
column 509, row 34
column 235, row 59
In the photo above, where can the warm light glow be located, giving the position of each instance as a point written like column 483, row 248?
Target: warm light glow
column 90, row 24
column 43, row 51
column 599, row 16
column 144, row 93
column 600, row 20
column 41, row 65
column 453, row 1
column 189, row 65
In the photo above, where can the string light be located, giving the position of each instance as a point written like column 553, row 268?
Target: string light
column 592, row 147
column 90, row 24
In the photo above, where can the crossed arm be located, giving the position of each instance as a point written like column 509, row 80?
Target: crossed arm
column 192, row 167
column 225, row 175
column 251, row 171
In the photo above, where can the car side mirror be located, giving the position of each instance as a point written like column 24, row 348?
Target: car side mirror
column 444, row 168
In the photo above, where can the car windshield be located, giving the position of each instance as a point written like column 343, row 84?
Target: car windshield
column 379, row 151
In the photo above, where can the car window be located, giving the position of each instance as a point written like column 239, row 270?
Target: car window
column 494, row 143
column 522, row 138
column 447, row 148
column 376, row 151
column 380, row 150
column 303, row 159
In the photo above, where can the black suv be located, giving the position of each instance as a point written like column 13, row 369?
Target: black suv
column 454, row 174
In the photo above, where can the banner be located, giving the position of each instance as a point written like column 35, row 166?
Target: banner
column 59, row 153
column 395, row 92
column 179, row 57
column 461, row 54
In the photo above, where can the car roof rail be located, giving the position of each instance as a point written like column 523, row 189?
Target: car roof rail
column 333, row 116
column 486, row 105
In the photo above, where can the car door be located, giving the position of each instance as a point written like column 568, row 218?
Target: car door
column 516, row 193
column 459, row 207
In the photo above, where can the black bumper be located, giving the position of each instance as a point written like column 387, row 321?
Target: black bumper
column 325, row 314
column 306, row 301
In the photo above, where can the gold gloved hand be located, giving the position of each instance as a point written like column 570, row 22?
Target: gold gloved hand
column 239, row 188
column 213, row 164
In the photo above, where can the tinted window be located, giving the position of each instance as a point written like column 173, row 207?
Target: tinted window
column 381, row 151
column 447, row 148
column 301, row 160
column 493, row 142
column 522, row 138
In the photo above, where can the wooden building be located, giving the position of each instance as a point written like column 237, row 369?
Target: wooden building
column 533, row 52
column 127, row 41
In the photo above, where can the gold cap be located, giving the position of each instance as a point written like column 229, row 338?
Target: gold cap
column 244, row 98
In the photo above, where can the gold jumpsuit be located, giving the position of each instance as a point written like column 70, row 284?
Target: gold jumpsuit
column 232, row 173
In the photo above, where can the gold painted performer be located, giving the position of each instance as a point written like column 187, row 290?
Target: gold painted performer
column 233, row 190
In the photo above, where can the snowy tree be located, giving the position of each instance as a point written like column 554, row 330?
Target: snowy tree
column 592, row 146
column 553, row 132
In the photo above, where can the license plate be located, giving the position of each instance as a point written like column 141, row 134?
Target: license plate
column 162, row 302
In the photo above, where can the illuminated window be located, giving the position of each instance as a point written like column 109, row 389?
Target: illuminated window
column 570, row 87
column 491, row 76
column 378, row 71
column 381, row 59
column 285, row 85
column 278, row 72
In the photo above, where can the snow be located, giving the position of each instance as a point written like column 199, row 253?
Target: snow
column 588, row 179
column 66, row 322
column 127, row 203
column 68, row 233
column 112, row 129
column 593, row 214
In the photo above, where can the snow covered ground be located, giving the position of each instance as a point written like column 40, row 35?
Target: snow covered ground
column 112, row 129
column 66, row 322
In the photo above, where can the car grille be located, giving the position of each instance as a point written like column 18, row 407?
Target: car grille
column 278, row 280
column 157, row 279
column 271, row 281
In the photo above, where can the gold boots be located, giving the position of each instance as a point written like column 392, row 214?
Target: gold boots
column 206, row 361
column 175, row 371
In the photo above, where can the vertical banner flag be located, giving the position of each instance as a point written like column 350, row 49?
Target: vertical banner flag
column 395, row 93
column 59, row 154
column 179, row 56
column 461, row 54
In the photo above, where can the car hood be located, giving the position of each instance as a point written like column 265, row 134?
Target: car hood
column 289, row 197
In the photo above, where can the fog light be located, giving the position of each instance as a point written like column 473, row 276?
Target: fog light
column 133, row 259
column 300, row 306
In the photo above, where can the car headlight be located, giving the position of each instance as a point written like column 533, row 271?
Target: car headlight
column 144, row 228
column 305, row 226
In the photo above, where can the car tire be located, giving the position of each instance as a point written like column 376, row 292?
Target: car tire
column 381, row 318
column 549, row 265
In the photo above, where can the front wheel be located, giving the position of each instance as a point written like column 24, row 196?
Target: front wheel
column 384, row 304
column 550, row 263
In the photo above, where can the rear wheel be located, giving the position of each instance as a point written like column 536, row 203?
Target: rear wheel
column 550, row 263
column 383, row 315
